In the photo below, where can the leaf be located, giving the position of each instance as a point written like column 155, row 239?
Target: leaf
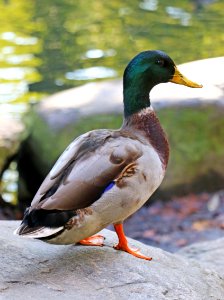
column 201, row 225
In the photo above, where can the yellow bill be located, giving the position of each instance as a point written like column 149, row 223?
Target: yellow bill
column 181, row 79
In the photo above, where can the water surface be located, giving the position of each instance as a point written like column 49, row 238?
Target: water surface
column 46, row 46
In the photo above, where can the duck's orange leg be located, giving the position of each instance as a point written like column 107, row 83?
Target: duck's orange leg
column 123, row 243
column 95, row 240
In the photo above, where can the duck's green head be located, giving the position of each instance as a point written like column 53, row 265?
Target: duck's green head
column 143, row 72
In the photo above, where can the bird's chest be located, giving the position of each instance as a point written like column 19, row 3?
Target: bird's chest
column 150, row 172
column 148, row 125
column 136, row 189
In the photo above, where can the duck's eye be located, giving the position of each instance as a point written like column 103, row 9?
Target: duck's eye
column 160, row 62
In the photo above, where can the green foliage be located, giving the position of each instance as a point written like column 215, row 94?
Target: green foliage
column 196, row 139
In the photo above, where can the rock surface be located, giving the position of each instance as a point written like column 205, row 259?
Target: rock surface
column 31, row 269
column 12, row 132
column 208, row 253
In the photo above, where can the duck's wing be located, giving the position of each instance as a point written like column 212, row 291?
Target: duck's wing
column 80, row 176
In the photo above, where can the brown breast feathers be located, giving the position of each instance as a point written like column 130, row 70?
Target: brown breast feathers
column 147, row 122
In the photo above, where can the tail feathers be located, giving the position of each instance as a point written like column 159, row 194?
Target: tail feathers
column 37, row 232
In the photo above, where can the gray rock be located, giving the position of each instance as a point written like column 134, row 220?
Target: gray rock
column 12, row 132
column 31, row 269
column 210, row 254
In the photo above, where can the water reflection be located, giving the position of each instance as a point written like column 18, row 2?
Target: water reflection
column 12, row 91
column 178, row 13
column 14, row 73
column 18, row 59
column 19, row 40
column 9, row 184
column 13, row 110
column 14, row 82
column 98, row 53
column 150, row 5
column 91, row 73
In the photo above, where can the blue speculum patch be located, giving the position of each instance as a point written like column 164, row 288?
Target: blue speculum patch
column 110, row 185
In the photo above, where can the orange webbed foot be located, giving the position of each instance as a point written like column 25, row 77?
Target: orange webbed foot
column 123, row 244
column 133, row 251
column 95, row 240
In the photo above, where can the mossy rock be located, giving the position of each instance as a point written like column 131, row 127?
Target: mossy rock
column 195, row 135
column 12, row 133
column 196, row 140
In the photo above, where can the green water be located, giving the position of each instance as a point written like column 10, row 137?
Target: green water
column 51, row 45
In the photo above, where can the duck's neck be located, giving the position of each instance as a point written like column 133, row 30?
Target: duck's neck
column 146, row 123
column 135, row 99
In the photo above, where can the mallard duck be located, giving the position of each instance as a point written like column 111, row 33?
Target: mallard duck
column 104, row 176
